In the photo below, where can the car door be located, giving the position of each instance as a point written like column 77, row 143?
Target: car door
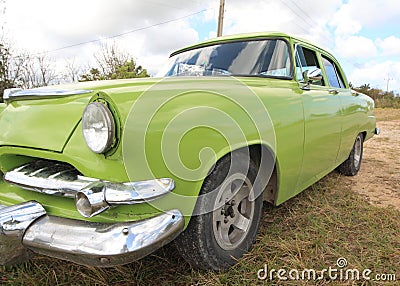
column 349, row 103
column 322, row 112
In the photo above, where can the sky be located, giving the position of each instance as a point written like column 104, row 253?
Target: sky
column 363, row 35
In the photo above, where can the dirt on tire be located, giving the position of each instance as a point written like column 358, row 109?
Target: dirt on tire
column 379, row 177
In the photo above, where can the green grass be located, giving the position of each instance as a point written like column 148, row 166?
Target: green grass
column 312, row 230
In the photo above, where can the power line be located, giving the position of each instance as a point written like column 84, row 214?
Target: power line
column 310, row 23
column 121, row 34
column 295, row 12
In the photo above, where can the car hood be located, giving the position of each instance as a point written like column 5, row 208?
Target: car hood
column 45, row 118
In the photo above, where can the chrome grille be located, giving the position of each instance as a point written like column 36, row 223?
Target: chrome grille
column 49, row 177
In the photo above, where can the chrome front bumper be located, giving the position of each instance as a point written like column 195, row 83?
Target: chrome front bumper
column 26, row 228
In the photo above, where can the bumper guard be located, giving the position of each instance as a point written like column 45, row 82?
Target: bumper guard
column 26, row 228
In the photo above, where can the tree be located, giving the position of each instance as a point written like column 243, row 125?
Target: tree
column 93, row 74
column 5, row 81
column 24, row 70
column 10, row 68
column 37, row 71
column 114, row 64
column 72, row 71
column 129, row 70
column 381, row 98
column 110, row 59
column 364, row 88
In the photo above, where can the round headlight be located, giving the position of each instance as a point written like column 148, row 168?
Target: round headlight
column 98, row 127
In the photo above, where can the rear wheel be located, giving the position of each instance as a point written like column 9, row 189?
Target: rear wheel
column 352, row 165
column 217, row 237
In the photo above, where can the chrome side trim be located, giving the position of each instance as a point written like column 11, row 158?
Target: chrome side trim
column 36, row 93
column 100, row 244
column 10, row 91
column 14, row 221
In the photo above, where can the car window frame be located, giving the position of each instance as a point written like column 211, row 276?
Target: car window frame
column 319, row 52
column 318, row 59
column 338, row 71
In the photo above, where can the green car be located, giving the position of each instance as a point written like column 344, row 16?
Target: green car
column 104, row 173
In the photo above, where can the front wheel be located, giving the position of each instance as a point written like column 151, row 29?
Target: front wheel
column 217, row 237
column 352, row 165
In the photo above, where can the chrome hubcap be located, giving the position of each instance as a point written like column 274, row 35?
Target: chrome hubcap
column 234, row 211
column 357, row 151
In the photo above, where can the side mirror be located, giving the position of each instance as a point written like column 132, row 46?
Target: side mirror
column 312, row 75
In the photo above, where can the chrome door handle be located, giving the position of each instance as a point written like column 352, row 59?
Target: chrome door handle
column 333, row 91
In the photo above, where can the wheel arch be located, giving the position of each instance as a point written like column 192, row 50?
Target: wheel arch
column 268, row 167
column 364, row 134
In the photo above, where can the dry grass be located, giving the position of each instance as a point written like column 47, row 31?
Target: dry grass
column 387, row 114
column 379, row 180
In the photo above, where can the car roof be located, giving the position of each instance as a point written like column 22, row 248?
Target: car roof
column 246, row 36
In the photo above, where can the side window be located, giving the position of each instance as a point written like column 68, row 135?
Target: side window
column 306, row 59
column 334, row 78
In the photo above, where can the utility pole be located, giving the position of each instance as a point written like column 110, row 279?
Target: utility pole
column 387, row 83
column 221, row 17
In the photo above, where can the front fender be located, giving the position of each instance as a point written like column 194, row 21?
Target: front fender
column 181, row 132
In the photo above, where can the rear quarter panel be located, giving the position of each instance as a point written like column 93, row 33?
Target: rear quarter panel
column 357, row 117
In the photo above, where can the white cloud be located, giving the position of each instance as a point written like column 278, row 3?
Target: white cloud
column 374, row 13
column 390, row 46
column 358, row 14
column 169, row 37
column 356, row 47
column 344, row 22
column 240, row 17
column 286, row 15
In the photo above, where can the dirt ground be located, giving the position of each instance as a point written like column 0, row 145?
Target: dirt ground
column 379, row 177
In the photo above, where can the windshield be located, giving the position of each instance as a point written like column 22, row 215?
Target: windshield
column 268, row 58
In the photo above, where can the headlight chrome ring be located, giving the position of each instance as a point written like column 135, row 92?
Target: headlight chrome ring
column 98, row 127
